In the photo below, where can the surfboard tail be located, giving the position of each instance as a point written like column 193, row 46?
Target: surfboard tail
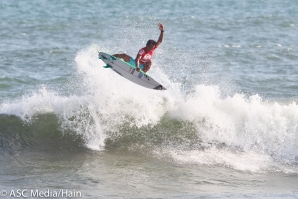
column 106, row 56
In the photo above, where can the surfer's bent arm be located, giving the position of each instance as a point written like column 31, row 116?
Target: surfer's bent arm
column 138, row 61
column 161, row 28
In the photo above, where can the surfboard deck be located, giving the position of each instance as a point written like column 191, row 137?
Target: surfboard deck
column 129, row 72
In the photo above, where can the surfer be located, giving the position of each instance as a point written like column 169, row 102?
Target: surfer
column 143, row 58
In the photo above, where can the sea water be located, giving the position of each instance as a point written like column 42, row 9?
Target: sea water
column 225, row 128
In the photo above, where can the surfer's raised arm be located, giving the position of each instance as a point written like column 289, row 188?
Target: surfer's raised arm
column 161, row 28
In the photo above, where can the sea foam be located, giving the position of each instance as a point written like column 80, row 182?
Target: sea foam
column 243, row 132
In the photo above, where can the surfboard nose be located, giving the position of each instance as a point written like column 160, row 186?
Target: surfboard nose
column 159, row 87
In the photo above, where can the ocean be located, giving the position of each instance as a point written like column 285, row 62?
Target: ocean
column 226, row 127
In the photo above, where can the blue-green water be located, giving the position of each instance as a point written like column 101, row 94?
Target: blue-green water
column 225, row 128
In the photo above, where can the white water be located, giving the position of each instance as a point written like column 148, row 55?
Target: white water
column 240, row 132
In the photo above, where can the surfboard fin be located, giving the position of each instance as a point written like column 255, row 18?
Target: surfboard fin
column 107, row 66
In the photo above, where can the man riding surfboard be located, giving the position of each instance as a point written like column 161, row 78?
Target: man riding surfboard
column 143, row 58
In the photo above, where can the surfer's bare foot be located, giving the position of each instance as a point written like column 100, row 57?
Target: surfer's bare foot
column 123, row 56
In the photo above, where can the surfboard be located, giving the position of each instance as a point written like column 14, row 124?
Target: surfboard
column 129, row 72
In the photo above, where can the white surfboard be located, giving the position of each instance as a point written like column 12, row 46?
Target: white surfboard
column 129, row 72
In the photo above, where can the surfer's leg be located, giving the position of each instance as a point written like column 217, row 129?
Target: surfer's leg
column 141, row 67
column 123, row 56
column 147, row 66
column 132, row 61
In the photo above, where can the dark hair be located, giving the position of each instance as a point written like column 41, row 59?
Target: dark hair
column 151, row 42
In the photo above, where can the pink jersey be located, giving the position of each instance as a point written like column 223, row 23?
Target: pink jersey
column 145, row 56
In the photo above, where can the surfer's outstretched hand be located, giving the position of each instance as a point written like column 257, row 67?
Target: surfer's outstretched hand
column 160, row 27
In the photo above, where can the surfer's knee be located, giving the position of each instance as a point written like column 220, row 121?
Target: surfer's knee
column 147, row 66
